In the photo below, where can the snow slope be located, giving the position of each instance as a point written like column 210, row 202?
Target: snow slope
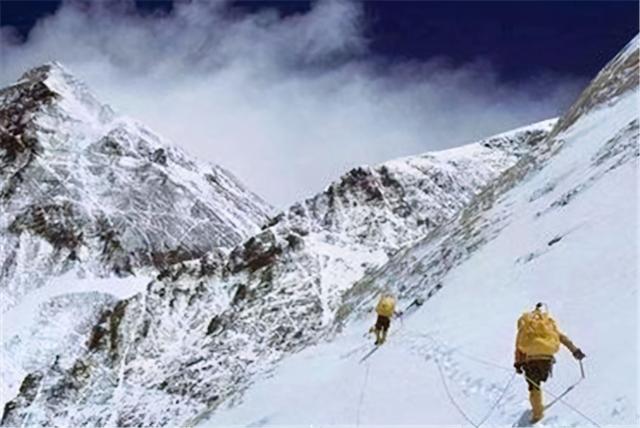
column 559, row 228
column 204, row 328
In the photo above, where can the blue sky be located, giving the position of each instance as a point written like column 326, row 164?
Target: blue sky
column 518, row 37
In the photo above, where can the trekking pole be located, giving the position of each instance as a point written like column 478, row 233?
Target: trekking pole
column 581, row 369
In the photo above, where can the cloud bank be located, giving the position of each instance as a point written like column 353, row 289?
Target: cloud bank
column 286, row 103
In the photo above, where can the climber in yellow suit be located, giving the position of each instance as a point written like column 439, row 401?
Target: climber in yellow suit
column 537, row 341
column 386, row 309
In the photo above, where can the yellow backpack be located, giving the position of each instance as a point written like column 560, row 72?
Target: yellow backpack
column 386, row 306
column 537, row 334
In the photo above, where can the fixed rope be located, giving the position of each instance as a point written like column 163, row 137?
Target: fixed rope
column 500, row 397
column 459, row 408
column 569, row 388
column 556, row 397
column 451, row 399
column 362, row 390
column 560, row 397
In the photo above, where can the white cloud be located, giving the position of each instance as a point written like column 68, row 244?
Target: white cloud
column 286, row 103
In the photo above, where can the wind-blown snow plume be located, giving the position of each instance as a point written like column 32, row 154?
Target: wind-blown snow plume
column 286, row 102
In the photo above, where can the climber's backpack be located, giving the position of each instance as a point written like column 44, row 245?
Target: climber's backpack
column 386, row 306
column 538, row 334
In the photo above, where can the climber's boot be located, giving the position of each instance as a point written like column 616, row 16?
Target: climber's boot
column 537, row 409
column 379, row 337
column 383, row 336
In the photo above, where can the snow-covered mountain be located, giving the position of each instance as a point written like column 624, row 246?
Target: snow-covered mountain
column 93, row 206
column 204, row 327
column 96, row 187
column 79, row 184
column 560, row 226
column 539, row 213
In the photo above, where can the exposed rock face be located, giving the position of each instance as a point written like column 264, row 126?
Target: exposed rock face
column 87, row 195
column 94, row 187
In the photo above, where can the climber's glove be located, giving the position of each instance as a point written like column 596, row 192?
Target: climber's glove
column 578, row 354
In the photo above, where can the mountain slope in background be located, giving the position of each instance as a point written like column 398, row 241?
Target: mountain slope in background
column 198, row 334
column 557, row 227
column 91, row 185
column 93, row 205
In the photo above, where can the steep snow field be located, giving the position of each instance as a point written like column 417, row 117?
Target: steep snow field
column 566, row 235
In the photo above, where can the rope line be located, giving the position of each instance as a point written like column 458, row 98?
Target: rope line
column 504, row 392
column 575, row 409
column 566, row 391
column 453, row 401
column 562, row 401
column 557, row 397
column 461, row 353
column 362, row 390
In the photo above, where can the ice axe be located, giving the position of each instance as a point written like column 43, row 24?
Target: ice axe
column 570, row 388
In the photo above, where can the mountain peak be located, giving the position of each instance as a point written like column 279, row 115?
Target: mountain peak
column 42, row 72
column 618, row 77
column 63, row 90
column 69, row 164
